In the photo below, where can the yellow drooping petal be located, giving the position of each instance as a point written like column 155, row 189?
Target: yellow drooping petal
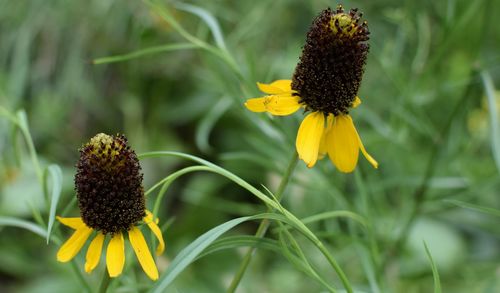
column 73, row 245
column 323, row 147
column 148, row 219
column 279, row 105
column 369, row 158
column 73, row 223
column 115, row 255
column 343, row 144
column 277, row 87
column 94, row 252
column 142, row 252
column 309, row 137
column 356, row 102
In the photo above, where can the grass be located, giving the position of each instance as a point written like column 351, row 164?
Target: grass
column 173, row 76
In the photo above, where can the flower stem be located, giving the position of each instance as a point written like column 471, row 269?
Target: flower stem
column 264, row 225
column 104, row 282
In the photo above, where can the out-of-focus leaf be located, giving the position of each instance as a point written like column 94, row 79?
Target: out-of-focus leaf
column 14, row 222
column 492, row 109
column 144, row 52
column 486, row 210
column 56, row 178
column 191, row 252
column 435, row 273
column 207, row 123
column 208, row 18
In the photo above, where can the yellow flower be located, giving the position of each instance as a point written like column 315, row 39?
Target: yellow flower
column 325, row 83
column 111, row 201
column 115, row 253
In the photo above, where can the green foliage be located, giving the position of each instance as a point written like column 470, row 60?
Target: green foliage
column 173, row 76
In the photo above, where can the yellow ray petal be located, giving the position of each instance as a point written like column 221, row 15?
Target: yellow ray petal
column 74, row 223
column 115, row 255
column 94, row 252
column 309, row 137
column 356, row 102
column 367, row 156
column 343, row 144
column 280, row 105
column 256, row 104
column 142, row 252
column 323, row 145
column 156, row 230
column 73, row 245
column 277, row 87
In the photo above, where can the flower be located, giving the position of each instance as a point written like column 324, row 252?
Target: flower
column 110, row 196
column 325, row 83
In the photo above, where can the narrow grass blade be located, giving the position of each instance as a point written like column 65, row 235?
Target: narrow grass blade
column 232, row 242
column 492, row 108
column 435, row 273
column 191, row 252
column 287, row 216
column 56, row 178
column 208, row 18
column 144, row 52
column 486, row 210
column 22, row 119
column 14, row 222
column 329, row 215
column 207, row 123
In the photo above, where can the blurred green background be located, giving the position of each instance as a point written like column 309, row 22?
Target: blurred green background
column 429, row 116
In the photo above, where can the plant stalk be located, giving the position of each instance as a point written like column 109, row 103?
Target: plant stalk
column 263, row 226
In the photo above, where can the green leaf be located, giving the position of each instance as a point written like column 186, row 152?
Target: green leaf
column 207, row 123
column 56, row 178
column 208, row 18
column 191, row 252
column 14, row 222
column 435, row 273
column 22, row 119
column 144, row 52
column 486, row 210
column 286, row 216
column 493, row 111
column 231, row 242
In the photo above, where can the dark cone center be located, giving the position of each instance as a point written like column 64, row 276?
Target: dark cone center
column 108, row 184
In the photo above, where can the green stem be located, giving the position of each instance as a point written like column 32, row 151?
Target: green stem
column 104, row 282
column 264, row 225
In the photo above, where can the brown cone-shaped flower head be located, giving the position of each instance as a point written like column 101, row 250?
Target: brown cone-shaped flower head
column 108, row 184
column 329, row 73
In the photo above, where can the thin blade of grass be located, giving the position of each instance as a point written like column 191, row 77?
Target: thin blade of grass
column 14, row 222
column 208, row 18
column 485, row 210
column 435, row 273
column 207, row 123
column 56, row 178
column 492, row 109
column 22, row 119
column 287, row 216
column 144, row 52
column 191, row 252
column 231, row 242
